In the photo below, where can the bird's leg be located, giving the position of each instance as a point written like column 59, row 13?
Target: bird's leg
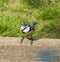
column 22, row 39
column 31, row 40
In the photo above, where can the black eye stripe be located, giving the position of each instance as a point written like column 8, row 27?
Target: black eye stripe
column 24, row 29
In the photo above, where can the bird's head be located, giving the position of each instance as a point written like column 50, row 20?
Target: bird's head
column 25, row 28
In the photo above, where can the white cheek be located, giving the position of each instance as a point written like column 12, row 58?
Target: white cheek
column 26, row 30
column 22, row 28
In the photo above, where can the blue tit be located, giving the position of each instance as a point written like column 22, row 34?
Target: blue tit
column 27, row 31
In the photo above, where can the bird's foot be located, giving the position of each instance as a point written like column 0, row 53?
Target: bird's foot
column 31, row 40
column 22, row 40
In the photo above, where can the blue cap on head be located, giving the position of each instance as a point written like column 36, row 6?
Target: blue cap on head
column 25, row 25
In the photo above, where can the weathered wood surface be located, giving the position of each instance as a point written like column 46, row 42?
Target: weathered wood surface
column 42, row 50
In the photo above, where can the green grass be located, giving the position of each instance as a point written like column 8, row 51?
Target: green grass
column 13, row 13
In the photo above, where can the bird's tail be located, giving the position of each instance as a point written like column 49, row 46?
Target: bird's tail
column 34, row 23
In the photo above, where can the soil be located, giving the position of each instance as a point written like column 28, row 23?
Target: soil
column 11, row 49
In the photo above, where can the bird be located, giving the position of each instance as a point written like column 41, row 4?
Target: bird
column 27, row 31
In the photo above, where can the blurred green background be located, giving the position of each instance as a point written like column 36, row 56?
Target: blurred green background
column 13, row 13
